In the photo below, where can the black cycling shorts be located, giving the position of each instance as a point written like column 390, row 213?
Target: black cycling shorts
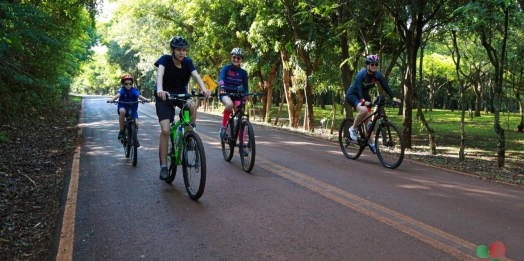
column 166, row 110
column 353, row 100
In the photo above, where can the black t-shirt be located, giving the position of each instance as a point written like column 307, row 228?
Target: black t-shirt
column 175, row 79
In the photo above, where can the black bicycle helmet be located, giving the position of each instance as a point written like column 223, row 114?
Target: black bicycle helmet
column 372, row 58
column 178, row 42
column 238, row 52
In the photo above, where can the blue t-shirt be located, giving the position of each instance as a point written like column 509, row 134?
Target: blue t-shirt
column 365, row 82
column 129, row 96
column 175, row 79
column 231, row 77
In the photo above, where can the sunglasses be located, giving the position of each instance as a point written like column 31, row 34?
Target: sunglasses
column 373, row 64
column 236, row 57
column 128, row 83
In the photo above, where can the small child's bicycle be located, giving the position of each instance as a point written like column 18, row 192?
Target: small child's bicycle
column 388, row 139
column 130, row 140
column 238, row 126
column 186, row 148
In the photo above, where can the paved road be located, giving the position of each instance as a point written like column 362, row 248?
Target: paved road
column 303, row 201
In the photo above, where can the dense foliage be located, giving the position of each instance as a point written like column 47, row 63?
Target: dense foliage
column 42, row 44
column 457, row 55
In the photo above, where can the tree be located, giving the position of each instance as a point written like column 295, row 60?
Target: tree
column 412, row 19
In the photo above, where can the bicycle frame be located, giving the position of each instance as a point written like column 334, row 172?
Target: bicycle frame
column 184, row 122
column 378, row 115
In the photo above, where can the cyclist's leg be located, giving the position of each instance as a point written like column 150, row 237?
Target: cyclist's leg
column 121, row 117
column 164, row 111
column 228, row 109
column 121, row 122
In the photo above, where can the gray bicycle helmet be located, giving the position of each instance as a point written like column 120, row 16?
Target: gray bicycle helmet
column 238, row 52
column 179, row 42
column 372, row 58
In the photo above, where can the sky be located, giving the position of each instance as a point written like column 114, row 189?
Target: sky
column 105, row 15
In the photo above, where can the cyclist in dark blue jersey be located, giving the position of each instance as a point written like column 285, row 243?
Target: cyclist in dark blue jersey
column 127, row 93
column 358, row 94
column 173, row 76
column 232, row 79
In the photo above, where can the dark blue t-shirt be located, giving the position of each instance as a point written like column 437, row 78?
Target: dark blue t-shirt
column 365, row 82
column 129, row 96
column 231, row 77
column 175, row 79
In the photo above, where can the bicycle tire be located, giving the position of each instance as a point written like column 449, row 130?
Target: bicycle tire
column 389, row 145
column 228, row 146
column 127, row 143
column 134, row 148
column 194, row 165
column 248, row 144
column 171, row 161
column 351, row 149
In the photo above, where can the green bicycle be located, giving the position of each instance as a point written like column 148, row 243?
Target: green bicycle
column 186, row 149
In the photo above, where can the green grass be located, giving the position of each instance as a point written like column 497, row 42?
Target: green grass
column 480, row 134
column 76, row 98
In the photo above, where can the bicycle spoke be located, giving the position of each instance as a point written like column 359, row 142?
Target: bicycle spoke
column 390, row 145
column 247, row 148
column 194, row 166
column 349, row 147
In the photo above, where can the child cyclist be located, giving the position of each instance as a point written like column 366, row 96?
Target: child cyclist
column 358, row 94
column 127, row 93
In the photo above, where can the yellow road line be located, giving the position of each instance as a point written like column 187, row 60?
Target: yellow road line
column 450, row 244
column 67, row 235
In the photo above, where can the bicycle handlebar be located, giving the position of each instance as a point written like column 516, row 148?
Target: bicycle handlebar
column 373, row 104
column 185, row 96
column 242, row 94
column 129, row 103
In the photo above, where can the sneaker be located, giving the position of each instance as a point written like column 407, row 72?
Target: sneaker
column 353, row 133
column 121, row 135
column 222, row 132
column 245, row 152
column 163, row 173
column 373, row 148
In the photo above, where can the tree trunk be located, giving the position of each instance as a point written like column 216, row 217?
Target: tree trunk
column 286, row 78
column 269, row 98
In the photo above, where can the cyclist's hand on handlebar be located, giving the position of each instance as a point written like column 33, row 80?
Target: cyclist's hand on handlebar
column 110, row 101
column 163, row 95
column 206, row 93
column 148, row 100
column 398, row 101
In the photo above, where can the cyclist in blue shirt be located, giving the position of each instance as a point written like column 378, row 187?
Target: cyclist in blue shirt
column 358, row 94
column 232, row 79
column 127, row 93
column 173, row 75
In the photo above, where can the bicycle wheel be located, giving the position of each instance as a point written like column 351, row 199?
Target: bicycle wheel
column 390, row 145
column 171, row 161
column 247, row 145
column 194, row 165
column 349, row 147
column 228, row 143
column 127, row 142
column 134, row 148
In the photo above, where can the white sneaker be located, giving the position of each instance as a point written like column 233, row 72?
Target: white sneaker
column 373, row 148
column 353, row 133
